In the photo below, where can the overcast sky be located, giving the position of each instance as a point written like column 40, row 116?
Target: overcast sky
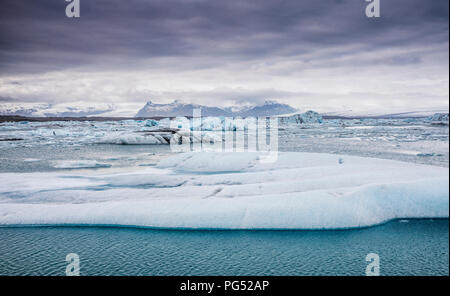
column 325, row 55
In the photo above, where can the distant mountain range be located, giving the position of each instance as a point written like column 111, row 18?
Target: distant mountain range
column 49, row 110
column 176, row 108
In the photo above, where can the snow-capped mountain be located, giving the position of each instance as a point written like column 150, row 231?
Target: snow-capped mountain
column 26, row 109
column 50, row 110
column 269, row 108
column 176, row 108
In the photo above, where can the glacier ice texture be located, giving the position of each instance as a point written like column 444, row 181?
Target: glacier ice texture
column 231, row 191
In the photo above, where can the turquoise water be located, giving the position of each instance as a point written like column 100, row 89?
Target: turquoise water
column 416, row 247
column 412, row 247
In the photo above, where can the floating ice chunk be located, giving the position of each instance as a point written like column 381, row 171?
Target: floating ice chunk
column 210, row 124
column 207, row 137
column 157, row 137
column 151, row 122
column 308, row 117
column 182, row 123
column 165, row 123
column 439, row 117
column 234, row 124
column 131, row 138
column 78, row 164
column 368, row 206
column 31, row 159
column 233, row 191
column 425, row 154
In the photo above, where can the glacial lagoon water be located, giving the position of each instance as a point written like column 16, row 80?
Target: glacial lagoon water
column 405, row 247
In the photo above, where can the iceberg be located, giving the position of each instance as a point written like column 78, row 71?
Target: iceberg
column 439, row 119
column 208, row 123
column 132, row 138
column 309, row 117
column 151, row 122
column 231, row 191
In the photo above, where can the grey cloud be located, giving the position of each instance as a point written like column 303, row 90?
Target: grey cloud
column 301, row 52
column 6, row 99
column 36, row 35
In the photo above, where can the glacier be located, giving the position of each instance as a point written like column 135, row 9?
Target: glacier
column 177, row 109
column 203, row 190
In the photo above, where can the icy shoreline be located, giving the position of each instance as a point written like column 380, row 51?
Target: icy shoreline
column 232, row 191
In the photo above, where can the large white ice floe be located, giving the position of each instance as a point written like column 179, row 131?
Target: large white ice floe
column 231, row 191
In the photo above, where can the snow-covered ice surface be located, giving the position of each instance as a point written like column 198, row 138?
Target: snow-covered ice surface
column 232, row 191
column 363, row 172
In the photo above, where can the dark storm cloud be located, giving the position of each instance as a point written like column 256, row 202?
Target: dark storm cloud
column 325, row 54
column 36, row 36
column 6, row 99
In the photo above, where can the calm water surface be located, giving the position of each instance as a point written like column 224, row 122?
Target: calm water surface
column 413, row 247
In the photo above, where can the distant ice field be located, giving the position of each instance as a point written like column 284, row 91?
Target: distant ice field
column 40, row 146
